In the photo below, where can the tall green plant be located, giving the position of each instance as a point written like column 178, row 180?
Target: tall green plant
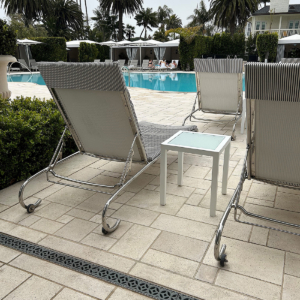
column 87, row 52
column 251, row 44
column 8, row 39
column 267, row 46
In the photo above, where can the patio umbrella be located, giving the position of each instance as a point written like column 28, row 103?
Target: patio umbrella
column 26, row 43
column 109, row 44
column 76, row 43
column 293, row 39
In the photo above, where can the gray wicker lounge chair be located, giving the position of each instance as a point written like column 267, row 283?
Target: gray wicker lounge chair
column 33, row 65
column 219, row 89
column 121, row 63
column 273, row 138
column 23, row 64
column 95, row 104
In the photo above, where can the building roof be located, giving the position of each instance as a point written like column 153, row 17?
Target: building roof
column 293, row 9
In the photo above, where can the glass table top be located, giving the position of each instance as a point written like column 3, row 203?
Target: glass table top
column 197, row 140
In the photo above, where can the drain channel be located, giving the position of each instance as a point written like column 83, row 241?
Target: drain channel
column 88, row 268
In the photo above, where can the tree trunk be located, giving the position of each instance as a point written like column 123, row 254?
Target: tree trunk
column 146, row 33
column 142, row 32
column 232, row 28
column 120, row 25
column 86, row 13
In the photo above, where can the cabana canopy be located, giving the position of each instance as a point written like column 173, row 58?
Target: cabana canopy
column 76, row 43
column 293, row 39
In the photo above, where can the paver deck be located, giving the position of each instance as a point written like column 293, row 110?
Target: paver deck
column 171, row 245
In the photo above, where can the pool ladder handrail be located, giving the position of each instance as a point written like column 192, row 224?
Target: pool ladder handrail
column 126, row 68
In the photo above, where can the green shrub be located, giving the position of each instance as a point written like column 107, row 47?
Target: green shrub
column 186, row 52
column 52, row 49
column 239, row 44
column 103, row 52
column 8, row 39
column 203, row 45
column 251, row 44
column 267, row 46
column 29, row 132
column 87, row 52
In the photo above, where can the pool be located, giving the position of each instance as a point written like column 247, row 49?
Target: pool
column 167, row 81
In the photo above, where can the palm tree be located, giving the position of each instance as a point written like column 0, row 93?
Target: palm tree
column 200, row 17
column 146, row 18
column 159, row 35
column 86, row 13
column 174, row 22
column 32, row 9
column 129, row 31
column 163, row 13
column 232, row 12
column 64, row 18
column 120, row 7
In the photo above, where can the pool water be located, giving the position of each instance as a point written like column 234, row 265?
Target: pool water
column 168, row 82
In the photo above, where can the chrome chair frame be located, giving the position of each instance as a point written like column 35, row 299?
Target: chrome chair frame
column 249, row 169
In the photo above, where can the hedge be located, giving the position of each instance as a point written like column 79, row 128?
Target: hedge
column 29, row 132
column 8, row 39
column 103, row 52
column 87, row 52
column 52, row 49
column 220, row 45
column 267, row 46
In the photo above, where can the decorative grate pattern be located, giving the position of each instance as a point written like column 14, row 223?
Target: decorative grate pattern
column 88, row 268
column 218, row 65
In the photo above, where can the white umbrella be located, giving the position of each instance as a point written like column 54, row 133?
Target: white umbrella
column 109, row 44
column 27, row 43
column 123, row 43
column 293, row 39
column 173, row 43
column 76, row 43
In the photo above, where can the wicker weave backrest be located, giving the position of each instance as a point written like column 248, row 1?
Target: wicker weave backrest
column 219, row 84
column 273, row 110
column 96, row 106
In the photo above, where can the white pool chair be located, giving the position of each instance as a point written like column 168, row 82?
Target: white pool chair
column 33, row 65
column 219, row 89
column 273, row 138
column 95, row 104
column 97, row 60
column 108, row 61
column 290, row 60
column 121, row 63
column 145, row 65
column 133, row 64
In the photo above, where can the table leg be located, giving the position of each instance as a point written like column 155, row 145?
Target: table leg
column 180, row 168
column 214, row 186
column 225, row 169
column 163, row 176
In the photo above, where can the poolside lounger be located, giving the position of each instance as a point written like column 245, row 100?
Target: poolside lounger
column 23, row 64
column 145, row 65
column 97, row 60
column 133, row 64
column 33, row 65
column 219, row 89
column 108, row 61
column 95, row 104
column 273, row 138
column 290, row 60
column 121, row 63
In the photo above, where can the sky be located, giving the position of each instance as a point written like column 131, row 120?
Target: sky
column 180, row 7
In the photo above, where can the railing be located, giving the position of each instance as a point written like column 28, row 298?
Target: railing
column 123, row 69
column 281, row 32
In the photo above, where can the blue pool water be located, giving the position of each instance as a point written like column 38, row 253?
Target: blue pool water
column 168, row 82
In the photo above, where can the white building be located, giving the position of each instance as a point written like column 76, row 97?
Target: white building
column 279, row 16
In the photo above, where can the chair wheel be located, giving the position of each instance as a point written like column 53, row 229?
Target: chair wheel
column 223, row 260
column 30, row 208
column 104, row 231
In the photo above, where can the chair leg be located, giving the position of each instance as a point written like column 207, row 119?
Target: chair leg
column 243, row 116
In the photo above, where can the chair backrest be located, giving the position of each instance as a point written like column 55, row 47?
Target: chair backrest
column 290, row 60
column 145, row 62
column 23, row 62
column 273, row 110
column 108, row 61
column 96, row 106
column 226, row 75
column 133, row 62
column 121, row 62
column 33, row 62
column 155, row 62
column 96, row 60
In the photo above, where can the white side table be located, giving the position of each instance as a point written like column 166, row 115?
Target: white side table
column 196, row 143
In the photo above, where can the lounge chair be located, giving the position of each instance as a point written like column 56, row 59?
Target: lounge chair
column 97, row 60
column 121, row 63
column 172, row 67
column 290, row 60
column 33, row 65
column 273, row 138
column 95, row 104
column 219, row 89
column 133, row 64
column 23, row 64
column 13, row 67
column 108, row 61
column 145, row 65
